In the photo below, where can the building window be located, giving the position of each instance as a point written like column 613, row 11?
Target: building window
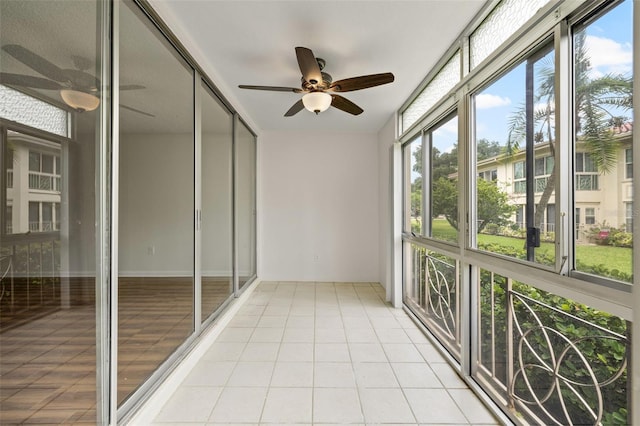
column 519, row 178
column 586, row 172
column 543, row 169
column 520, row 216
column 9, row 166
column 43, row 216
column 489, row 175
column 44, row 171
column 589, row 216
column 9, row 220
column 628, row 163
column 628, row 208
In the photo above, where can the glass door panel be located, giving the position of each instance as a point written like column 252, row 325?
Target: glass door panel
column 156, row 201
column 48, row 219
column 216, row 226
column 246, row 204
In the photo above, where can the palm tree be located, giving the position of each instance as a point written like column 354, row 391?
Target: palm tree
column 597, row 100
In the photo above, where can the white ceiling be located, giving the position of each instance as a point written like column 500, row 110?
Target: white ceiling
column 252, row 42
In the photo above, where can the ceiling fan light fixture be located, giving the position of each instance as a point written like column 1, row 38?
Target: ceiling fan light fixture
column 317, row 101
column 80, row 101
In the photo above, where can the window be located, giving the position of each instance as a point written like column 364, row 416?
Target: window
column 9, row 166
column 543, row 169
column 602, row 139
column 519, row 178
column 42, row 174
column 520, row 223
column 443, row 180
column 43, row 216
column 489, row 175
column 586, row 172
column 505, row 112
column 412, row 158
column 628, row 209
column 9, row 220
column 434, row 213
column 589, row 216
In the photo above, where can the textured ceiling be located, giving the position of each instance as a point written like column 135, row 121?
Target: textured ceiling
column 252, row 42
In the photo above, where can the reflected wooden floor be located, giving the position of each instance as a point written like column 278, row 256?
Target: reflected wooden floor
column 48, row 363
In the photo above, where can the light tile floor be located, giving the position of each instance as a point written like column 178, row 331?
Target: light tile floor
column 322, row 353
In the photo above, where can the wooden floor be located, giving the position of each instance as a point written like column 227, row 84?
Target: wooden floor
column 48, row 355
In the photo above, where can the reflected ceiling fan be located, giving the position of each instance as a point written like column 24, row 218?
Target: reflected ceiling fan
column 77, row 87
column 320, row 91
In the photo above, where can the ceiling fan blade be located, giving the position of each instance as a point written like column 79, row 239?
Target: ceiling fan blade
column 308, row 65
column 271, row 88
column 82, row 79
column 28, row 81
column 362, row 82
column 345, row 105
column 35, row 62
column 136, row 110
column 296, row 108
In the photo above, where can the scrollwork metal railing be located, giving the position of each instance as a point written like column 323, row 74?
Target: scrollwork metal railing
column 565, row 368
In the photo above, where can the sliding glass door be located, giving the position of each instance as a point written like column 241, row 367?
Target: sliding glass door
column 156, row 201
column 50, row 158
column 216, row 203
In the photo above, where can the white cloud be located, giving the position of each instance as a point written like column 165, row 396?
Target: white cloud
column 487, row 100
column 609, row 54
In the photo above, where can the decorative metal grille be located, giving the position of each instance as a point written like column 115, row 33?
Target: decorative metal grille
column 501, row 23
column 25, row 109
column 444, row 81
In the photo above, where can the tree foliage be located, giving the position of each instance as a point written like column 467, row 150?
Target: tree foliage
column 493, row 204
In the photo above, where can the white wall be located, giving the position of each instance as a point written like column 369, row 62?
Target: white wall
column 318, row 206
column 156, row 205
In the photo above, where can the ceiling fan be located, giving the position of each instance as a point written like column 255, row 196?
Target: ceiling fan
column 78, row 89
column 319, row 88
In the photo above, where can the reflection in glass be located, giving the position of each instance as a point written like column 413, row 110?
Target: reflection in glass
column 246, row 204
column 48, row 221
column 216, row 226
column 156, row 202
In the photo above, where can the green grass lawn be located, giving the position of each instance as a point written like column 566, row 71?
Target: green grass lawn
column 619, row 258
